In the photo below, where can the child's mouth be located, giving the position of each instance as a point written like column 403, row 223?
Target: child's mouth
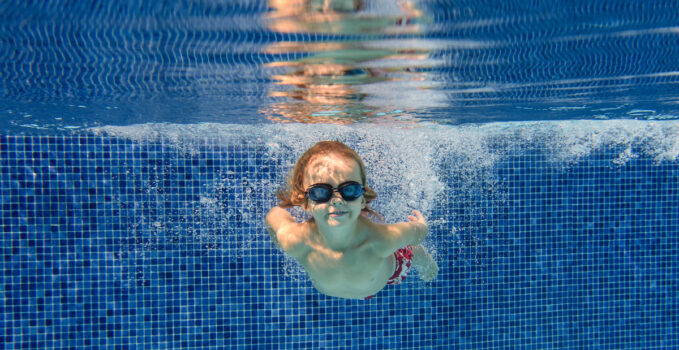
column 337, row 214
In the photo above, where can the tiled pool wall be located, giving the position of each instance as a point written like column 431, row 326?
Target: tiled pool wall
column 113, row 243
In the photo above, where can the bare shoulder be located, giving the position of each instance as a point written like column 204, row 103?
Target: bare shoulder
column 287, row 234
column 387, row 238
column 292, row 238
column 382, row 237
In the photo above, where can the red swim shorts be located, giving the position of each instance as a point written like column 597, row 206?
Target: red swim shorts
column 403, row 257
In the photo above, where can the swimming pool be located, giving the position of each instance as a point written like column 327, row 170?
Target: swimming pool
column 141, row 147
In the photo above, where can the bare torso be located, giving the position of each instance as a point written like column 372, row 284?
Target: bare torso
column 354, row 272
column 353, row 260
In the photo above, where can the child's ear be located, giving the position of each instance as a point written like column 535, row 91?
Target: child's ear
column 362, row 203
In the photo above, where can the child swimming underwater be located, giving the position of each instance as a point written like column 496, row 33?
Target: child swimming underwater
column 346, row 254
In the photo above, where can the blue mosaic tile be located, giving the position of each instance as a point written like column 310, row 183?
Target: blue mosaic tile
column 110, row 243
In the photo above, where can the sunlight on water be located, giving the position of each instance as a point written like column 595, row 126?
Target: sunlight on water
column 76, row 65
column 360, row 77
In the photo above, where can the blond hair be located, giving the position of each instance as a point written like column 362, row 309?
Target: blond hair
column 293, row 194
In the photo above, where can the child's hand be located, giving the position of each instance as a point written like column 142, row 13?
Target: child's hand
column 418, row 218
column 420, row 224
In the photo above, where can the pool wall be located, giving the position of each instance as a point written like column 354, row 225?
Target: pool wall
column 543, row 241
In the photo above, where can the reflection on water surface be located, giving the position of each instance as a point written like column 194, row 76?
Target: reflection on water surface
column 372, row 60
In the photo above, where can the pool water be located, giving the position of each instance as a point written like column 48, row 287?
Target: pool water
column 72, row 65
column 142, row 145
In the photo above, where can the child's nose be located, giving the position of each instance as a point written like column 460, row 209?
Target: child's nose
column 336, row 197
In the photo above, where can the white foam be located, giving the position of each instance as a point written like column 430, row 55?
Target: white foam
column 408, row 165
column 405, row 163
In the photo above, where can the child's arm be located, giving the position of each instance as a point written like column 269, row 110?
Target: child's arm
column 285, row 232
column 399, row 235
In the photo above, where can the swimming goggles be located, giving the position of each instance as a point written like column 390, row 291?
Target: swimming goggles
column 321, row 193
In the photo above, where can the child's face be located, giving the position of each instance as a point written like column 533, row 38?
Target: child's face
column 333, row 170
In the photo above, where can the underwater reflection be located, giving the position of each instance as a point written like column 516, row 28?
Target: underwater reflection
column 363, row 68
column 344, row 16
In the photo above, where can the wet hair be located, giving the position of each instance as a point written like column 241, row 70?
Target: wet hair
column 293, row 194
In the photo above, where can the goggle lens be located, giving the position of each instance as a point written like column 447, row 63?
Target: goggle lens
column 321, row 193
